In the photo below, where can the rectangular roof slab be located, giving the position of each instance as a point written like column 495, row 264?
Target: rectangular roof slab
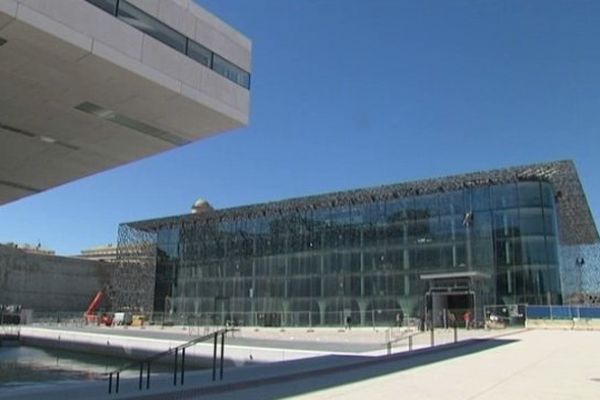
column 79, row 94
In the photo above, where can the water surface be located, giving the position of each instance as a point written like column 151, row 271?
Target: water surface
column 24, row 365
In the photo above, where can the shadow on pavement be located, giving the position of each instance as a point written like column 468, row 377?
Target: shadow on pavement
column 332, row 371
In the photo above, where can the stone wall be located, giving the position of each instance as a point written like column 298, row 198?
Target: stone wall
column 50, row 283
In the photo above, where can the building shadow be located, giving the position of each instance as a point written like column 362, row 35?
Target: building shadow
column 331, row 371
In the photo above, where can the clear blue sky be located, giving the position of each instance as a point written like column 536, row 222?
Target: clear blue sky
column 348, row 94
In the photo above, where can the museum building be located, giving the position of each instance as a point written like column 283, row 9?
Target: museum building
column 371, row 256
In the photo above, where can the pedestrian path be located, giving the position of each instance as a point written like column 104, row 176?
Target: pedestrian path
column 266, row 375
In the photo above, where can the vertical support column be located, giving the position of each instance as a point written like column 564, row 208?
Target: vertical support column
column 362, row 264
column 286, row 266
column 469, row 246
column 322, row 270
column 453, row 237
column 253, row 289
column 322, row 310
column 406, row 260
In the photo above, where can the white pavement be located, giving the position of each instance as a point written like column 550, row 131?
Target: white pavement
column 521, row 365
column 537, row 365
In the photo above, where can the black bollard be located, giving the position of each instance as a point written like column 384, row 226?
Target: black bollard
column 109, row 383
column 117, row 383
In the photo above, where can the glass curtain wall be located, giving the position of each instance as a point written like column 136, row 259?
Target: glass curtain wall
column 358, row 262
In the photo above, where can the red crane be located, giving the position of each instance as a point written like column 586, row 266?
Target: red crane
column 90, row 314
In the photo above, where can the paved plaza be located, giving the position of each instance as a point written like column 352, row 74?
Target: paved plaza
column 518, row 364
column 530, row 365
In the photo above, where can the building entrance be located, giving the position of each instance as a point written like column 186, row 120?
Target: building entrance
column 445, row 308
column 451, row 295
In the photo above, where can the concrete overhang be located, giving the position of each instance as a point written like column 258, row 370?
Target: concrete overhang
column 82, row 92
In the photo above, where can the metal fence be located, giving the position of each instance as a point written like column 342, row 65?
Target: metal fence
column 563, row 312
column 343, row 319
column 495, row 316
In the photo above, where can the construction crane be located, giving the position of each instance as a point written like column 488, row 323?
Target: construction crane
column 90, row 316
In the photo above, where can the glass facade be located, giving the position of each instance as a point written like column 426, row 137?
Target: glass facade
column 326, row 263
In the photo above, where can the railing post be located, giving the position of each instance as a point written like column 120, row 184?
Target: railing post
column 141, row 376
column 455, row 333
column 432, row 335
column 215, row 357
column 222, row 353
column 117, row 383
column 182, row 364
column 110, row 383
column 175, row 367
column 148, row 376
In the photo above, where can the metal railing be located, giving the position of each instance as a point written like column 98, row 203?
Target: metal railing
column 431, row 337
column 178, row 366
column 283, row 319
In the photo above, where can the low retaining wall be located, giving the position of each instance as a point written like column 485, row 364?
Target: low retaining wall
column 572, row 324
column 136, row 348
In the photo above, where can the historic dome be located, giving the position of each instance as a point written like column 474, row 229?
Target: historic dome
column 201, row 206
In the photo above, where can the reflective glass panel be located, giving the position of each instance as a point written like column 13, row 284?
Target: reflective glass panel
column 480, row 198
column 149, row 25
column 199, row 53
column 230, row 71
column 529, row 194
column 504, row 195
column 547, row 194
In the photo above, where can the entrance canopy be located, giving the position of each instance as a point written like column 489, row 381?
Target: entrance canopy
column 456, row 275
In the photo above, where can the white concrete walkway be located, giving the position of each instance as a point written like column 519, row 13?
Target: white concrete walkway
column 527, row 365
column 538, row 365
